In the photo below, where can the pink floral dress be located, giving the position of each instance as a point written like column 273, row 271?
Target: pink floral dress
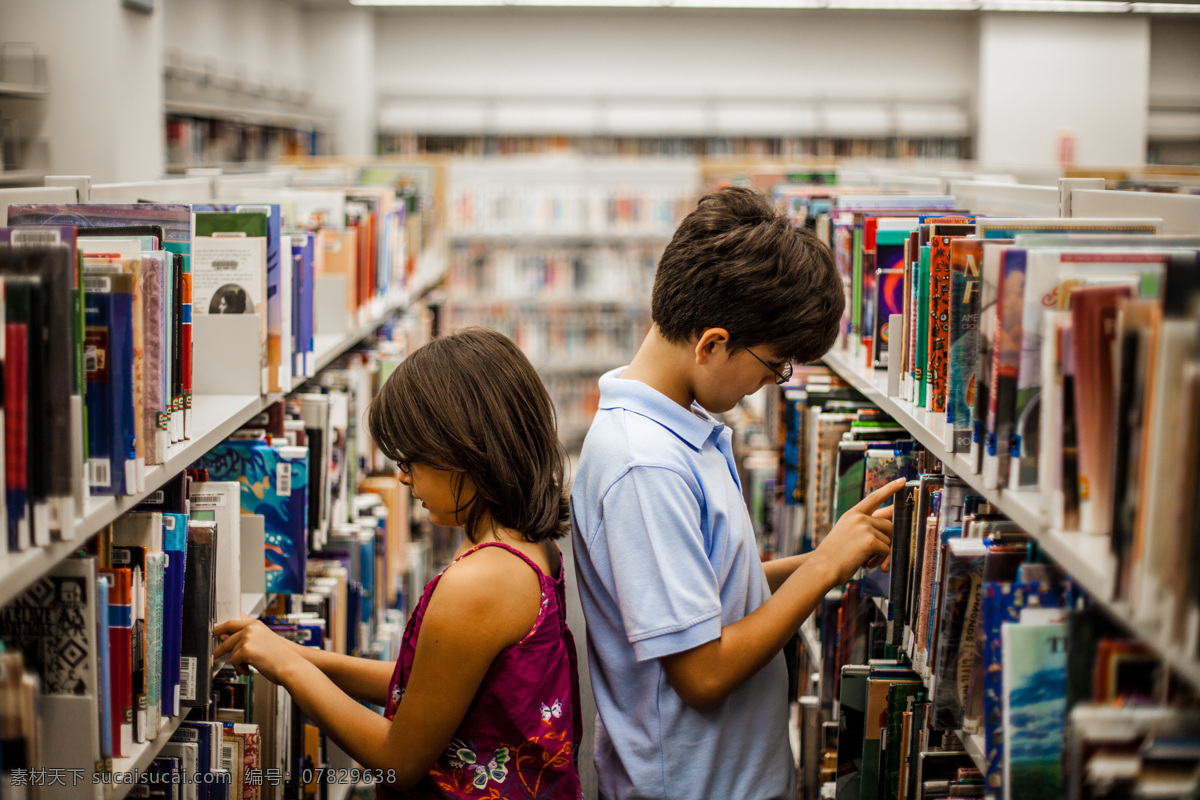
column 519, row 737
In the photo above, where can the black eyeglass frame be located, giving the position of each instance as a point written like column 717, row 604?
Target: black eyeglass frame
column 781, row 375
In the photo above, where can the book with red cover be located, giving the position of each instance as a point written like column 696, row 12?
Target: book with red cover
column 15, row 420
column 120, row 648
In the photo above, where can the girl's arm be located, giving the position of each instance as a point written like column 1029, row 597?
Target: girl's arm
column 484, row 604
column 364, row 679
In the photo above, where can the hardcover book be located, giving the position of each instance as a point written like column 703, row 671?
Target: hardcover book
column 1035, row 681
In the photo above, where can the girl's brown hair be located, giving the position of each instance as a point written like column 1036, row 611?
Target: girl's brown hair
column 471, row 402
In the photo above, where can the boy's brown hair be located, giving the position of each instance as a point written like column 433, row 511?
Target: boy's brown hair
column 735, row 263
column 470, row 402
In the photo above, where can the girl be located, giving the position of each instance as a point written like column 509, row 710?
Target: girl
column 483, row 700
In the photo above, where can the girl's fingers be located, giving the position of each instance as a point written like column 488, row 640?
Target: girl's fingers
column 227, row 645
column 232, row 625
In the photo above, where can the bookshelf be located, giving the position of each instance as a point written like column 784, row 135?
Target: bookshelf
column 1086, row 558
column 214, row 416
column 22, row 88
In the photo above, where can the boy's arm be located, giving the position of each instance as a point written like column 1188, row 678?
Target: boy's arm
column 704, row 676
column 779, row 570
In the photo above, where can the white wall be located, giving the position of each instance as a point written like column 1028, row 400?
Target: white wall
column 103, row 115
column 260, row 40
column 342, row 71
column 1040, row 74
column 675, row 56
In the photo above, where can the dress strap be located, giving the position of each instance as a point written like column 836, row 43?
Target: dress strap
column 510, row 549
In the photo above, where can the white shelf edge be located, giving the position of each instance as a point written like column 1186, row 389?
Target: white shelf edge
column 1084, row 557
column 21, row 569
column 144, row 754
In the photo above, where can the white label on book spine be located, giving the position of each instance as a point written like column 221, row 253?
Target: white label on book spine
column 35, row 237
column 187, row 677
column 97, row 283
column 208, row 500
column 168, row 522
column 158, row 497
column 121, row 557
column 99, row 470
column 283, row 479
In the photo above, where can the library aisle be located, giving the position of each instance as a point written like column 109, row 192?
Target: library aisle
column 224, row 226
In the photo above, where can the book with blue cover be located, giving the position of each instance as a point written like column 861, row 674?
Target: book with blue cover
column 1034, row 712
column 274, row 484
column 1002, row 603
column 108, row 363
column 175, row 547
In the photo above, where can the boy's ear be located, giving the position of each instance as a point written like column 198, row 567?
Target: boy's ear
column 711, row 340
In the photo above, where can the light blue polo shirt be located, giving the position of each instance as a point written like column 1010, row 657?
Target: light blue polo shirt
column 665, row 557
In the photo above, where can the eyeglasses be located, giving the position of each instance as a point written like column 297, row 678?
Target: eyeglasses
column 404, row 465
column 781, row 375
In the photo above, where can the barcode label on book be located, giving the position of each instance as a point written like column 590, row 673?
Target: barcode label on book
column 156, row 498
column 102, row 269
column 91, row 356
column 224, row 263
column 208, row 500
column 228, row 754
column 121, row 557
column 187, row 678
column 99, row 472
column 97, row 283
column 168, row 521
column 26, row 237
column 283, row 479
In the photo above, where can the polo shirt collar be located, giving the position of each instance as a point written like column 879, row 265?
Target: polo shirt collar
column 694, row 427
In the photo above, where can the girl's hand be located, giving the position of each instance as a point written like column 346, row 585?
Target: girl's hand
column 250, row 643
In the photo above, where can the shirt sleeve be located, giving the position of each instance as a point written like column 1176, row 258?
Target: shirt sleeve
column 666, row 588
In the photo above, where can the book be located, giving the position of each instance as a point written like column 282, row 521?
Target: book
column 1034, row 663
column 852, row 703
column 175, row 548
column 958, row 616
column 109, row 353
column 53, row 623
column 120, row 642
column 1002, row 604
column 1093, row 318
column 220, row 502
column 1006, row 356
column 985, row 339
column 966, row 256
column 199, row 607
column 274, row 484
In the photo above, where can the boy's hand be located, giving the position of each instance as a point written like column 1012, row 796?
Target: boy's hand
column 861, row 538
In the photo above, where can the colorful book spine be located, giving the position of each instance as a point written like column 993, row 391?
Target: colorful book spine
column 939, row 321
column 965, row 258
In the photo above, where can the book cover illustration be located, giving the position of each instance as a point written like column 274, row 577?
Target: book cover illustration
column 1006, row 360
column 274, row 485
column 889, row 289
column 1002, row 603
column 1035, row 701
column 966, row 255
column 989, row 282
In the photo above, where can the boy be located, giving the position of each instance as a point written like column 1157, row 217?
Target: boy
column 685, row 624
